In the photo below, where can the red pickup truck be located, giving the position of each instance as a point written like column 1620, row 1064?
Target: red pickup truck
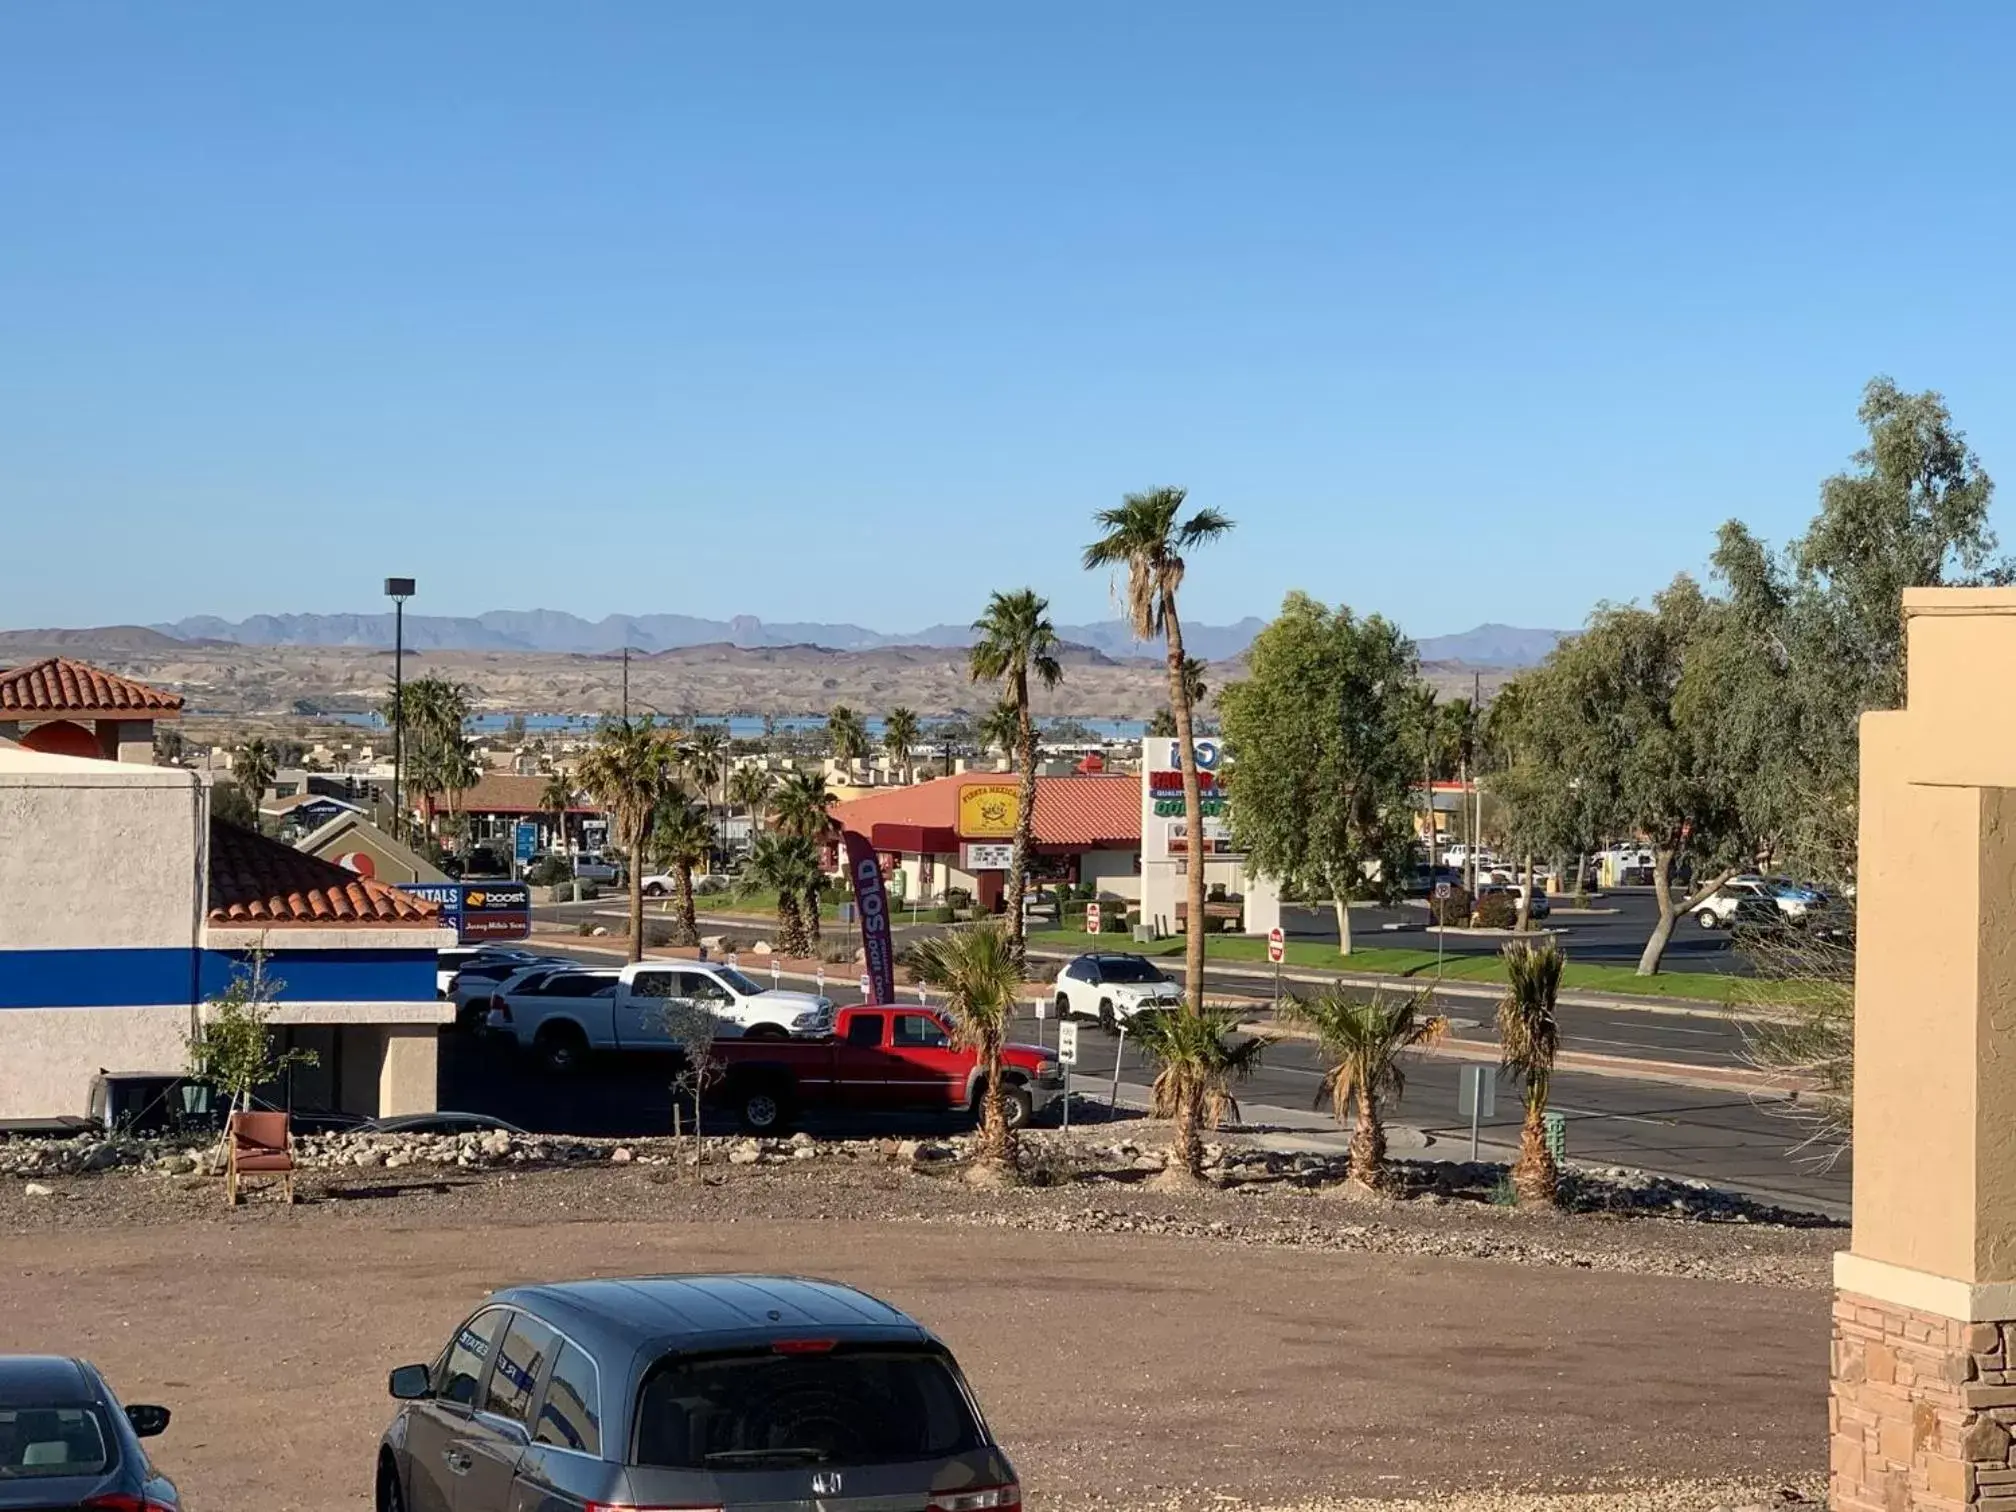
column 877, row 1059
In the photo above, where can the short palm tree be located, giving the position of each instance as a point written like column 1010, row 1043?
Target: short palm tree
column 630, row 768
column 1144, row 538
column 900, row 733
column 848, row 733
column 787, row 865
column 802, row 806
column 749, row 787
column 1000, row 728
column 1529, row 1037
column 1199, row 1060
column 977, row 971
column 556, row 797
column 705, row 757
column 682, row 841
column 1014, row 642
column 253, row 768
column 1362, row 1039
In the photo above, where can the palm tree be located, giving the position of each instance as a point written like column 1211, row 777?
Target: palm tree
column 749, row 787
column 459, row 772
column 1199, row 1061
column 629, row 769
column 253, row 769
column 802, row 807
column 1529, row 1037
column 682, row 841
column 1162, row 725
column 706, row 758
column 787, row 865
column 1144, row 538
column 900, row 732
column 1363, row 1040
column 556, row 797
column 849, row 734
column 1014, row 642
column 977, row 971
column 1001, row 728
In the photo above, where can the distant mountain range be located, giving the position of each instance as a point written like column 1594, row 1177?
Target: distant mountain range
column 552, row 630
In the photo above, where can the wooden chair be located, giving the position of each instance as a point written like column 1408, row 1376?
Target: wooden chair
column 258, row 1146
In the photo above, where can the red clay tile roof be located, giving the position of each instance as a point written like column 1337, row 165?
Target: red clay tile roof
column 1084, row 811
column 255, row 881
column 60, row 686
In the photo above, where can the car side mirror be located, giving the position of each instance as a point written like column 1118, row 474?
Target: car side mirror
column 148, row 1421
column 411, row 1383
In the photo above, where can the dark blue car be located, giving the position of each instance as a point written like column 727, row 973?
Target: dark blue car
column 721, row 1392
column 65, row 1441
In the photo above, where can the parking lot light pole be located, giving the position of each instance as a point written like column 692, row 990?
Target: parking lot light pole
column 398, row 590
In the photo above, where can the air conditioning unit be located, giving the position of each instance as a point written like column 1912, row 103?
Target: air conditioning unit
column 1144, row 934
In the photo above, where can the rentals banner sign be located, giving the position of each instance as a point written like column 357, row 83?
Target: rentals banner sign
column 871, row 899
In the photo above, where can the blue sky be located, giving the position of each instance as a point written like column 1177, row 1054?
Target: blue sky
column 1464, row 312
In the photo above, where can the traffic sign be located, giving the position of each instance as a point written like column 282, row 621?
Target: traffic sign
column 1441, row 890
column 1091, row 918
column 1277, row 945
column 1067, row 1042
column 524, row 841
column 867, row 989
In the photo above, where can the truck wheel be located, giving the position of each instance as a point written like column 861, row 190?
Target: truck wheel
column 1706, row 920
column 763, row 1109
column 1017, row 1107
column 769, row 1032
column 654, row 890
column 1063, row 1007
column 561, row 1049
column 1106, row 1014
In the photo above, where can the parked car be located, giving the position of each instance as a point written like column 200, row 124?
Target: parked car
column 1792, row 900
column 725, row 1392
column 593, row 868
column 477, row 983
column 625, row 1010
column 877, row 1059
column 447, row 963
column 438, row 1122
column 1112, row 988
column 65, row 1440
column 1540, row 908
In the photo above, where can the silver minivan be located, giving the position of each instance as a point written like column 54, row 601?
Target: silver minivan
column 717, row 1392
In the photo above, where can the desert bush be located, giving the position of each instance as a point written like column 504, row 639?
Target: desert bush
column 1452, row 910
column 1497, row 911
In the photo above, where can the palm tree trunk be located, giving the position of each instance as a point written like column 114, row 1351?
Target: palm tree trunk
column 996, row 1144
column 790, row 937
column 1193, row 816
column 814, row 897
column 1368, row 1142
column 1025, row 824
column 637, row 899
column 689, row 926
column 1189, row 1125
column 1535, row 1177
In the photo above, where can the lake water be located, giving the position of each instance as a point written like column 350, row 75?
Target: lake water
column 740, row 726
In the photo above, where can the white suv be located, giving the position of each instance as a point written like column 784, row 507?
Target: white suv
column 1113, row 988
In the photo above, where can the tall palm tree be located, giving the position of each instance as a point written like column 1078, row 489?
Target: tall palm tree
column 1198, row 1060
column 706, row 759
column 802, row 807
column 1529, row 1037
column 459, row 771
column 1014, row 642
column 253, row 768
column 630, row 767
column 1145, row 539
column 900, row 733
column 682, row 841
column 1362, row 1039
column 977, row 971
column 787, row 865
column 556, row 797
column 849, row 734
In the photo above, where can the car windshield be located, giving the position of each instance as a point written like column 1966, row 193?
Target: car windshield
column 833, row 1406
column 1127, row 969
column 47, row 1441
column 732, row 978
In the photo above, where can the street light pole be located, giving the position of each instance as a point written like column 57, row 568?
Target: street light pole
column 398, row 590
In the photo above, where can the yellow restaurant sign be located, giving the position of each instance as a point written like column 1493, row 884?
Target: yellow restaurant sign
column 988, row 810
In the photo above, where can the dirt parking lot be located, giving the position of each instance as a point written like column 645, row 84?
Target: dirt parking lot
column 1122, row 1369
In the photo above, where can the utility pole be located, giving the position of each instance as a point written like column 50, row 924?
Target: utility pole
column 1477, row 801
column 398, row 590
column 626, row 685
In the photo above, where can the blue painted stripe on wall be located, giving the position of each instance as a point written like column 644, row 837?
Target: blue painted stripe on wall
column 137, row 978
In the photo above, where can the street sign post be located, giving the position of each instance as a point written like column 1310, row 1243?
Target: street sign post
column 1119, row 1054
column 1477, row 1095
column 1067, row 1057
column 1277, row 951
column 1091, row 918
column 867, row 988
column 1042, row 1006
column 1435, row 917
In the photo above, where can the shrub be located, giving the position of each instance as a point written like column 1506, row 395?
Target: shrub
column 1499, row 910
column 585, row 928
column 1452, row 910
column 1115, row 922
column 958, row 897
column 837, row 952
column 551, row 872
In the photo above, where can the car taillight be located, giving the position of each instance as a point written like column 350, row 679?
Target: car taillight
column 628, row 1507
column 1006, row 1498
column 803, row 1346
column 501, row 1008
column 124, row 1501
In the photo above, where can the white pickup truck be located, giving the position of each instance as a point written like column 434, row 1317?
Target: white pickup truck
column 562, row 1017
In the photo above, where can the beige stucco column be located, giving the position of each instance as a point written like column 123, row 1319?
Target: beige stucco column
column 1924, row 1356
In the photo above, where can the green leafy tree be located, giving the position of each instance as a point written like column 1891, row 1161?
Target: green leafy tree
column 1322, row 792
column 1362, row 1041
column 229, row 803
column 1529, row 1038
column 788, row 866
column 848, row 734
column 1015, row 644
column 253, row 768
column 900, row 734
column 1199, row 1057
column 1146, row 539
column 802, row 807
column 630, row 769
column 979, row 974
column 682, row 841
column 232, row 1045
